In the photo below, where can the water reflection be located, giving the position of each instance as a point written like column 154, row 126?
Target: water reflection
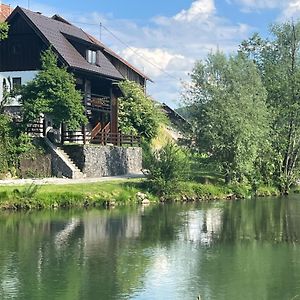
column 230, row 250
column 202, row 226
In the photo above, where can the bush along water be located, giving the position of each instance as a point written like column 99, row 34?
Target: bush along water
column 166, row 169
column 171, row 176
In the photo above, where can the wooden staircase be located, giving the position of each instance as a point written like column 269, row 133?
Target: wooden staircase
column 99, row 130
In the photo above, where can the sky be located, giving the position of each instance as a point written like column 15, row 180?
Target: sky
column 164, row 38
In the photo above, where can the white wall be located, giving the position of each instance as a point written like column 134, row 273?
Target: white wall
column 25, row 77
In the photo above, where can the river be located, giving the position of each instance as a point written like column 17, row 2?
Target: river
column 248, row 249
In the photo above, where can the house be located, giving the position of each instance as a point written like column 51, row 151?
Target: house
column 175, row 118
column 5, row 11
column 97, row 68
column 176, row 129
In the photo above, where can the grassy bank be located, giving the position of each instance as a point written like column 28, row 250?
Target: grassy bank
column 115, row 193
column 72, row 195
column 193, row 191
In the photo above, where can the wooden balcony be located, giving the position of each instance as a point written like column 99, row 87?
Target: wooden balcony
column 98, row 103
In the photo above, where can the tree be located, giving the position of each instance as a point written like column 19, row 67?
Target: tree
column 279, row 64
column 229, row 112
column 137, row 112
column 4, row 27
column 53, row 92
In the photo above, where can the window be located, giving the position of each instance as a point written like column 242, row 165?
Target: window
column 16, row 82
column 91, row 56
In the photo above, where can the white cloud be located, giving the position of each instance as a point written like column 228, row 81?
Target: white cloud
column 152, row 61
column 288, row 9
column 172, row 43
column 249, row 5
column 292, row 10
column 199, row 9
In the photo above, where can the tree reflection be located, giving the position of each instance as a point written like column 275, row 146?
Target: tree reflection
column 87, row 255
column 223, row 250
column 261, row 219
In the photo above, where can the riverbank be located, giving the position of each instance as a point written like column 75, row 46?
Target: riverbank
column 103, row 193
column 108, row 192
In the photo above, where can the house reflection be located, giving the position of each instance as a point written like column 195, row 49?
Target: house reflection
column 99, row 228
column 203, row 226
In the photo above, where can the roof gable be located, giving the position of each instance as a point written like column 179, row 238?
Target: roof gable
column 54, row 32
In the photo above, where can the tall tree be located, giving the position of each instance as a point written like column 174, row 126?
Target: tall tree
column 279, row 63
column 53, row 92
column 138, row 112
column 229, row 112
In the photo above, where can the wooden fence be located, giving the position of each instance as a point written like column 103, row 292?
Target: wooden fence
column 118, row 139
column 103, row 138
column 81, row 137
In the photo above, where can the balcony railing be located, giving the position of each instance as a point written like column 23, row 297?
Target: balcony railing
column 103, row 138
column 118, row 139
column 98, row 103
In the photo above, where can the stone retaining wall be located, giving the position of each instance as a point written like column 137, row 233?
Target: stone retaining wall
column 39, row 165
column 99, row 161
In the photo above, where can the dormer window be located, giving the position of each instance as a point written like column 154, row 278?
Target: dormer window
column 91, row 56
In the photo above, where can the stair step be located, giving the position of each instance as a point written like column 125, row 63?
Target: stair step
column 70, row 160
column 75, row 171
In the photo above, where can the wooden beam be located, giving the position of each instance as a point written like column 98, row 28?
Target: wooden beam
column 114, row 111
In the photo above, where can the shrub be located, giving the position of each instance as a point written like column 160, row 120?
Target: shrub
column 166, row 167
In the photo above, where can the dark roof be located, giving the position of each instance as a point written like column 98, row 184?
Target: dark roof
column 56, row 32
column 61, row 19
column 174, row 115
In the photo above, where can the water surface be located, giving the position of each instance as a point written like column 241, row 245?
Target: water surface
column 246, row 249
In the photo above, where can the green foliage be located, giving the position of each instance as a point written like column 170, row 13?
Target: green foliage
column 265, row 191
column 4, row 27
column 138, row 113
column 53, row 92
column 13, row 144
column 230, row 116
column 209, row 191
column 7, row 144
column 166, row 167
column 279, row 64
column 26, row 193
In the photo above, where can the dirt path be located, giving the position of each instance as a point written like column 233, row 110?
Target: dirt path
column 54, row 180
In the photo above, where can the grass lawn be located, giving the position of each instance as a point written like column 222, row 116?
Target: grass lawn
column 71, row 195
column 84, row 188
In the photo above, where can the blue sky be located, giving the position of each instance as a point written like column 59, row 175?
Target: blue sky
column 164, row 38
